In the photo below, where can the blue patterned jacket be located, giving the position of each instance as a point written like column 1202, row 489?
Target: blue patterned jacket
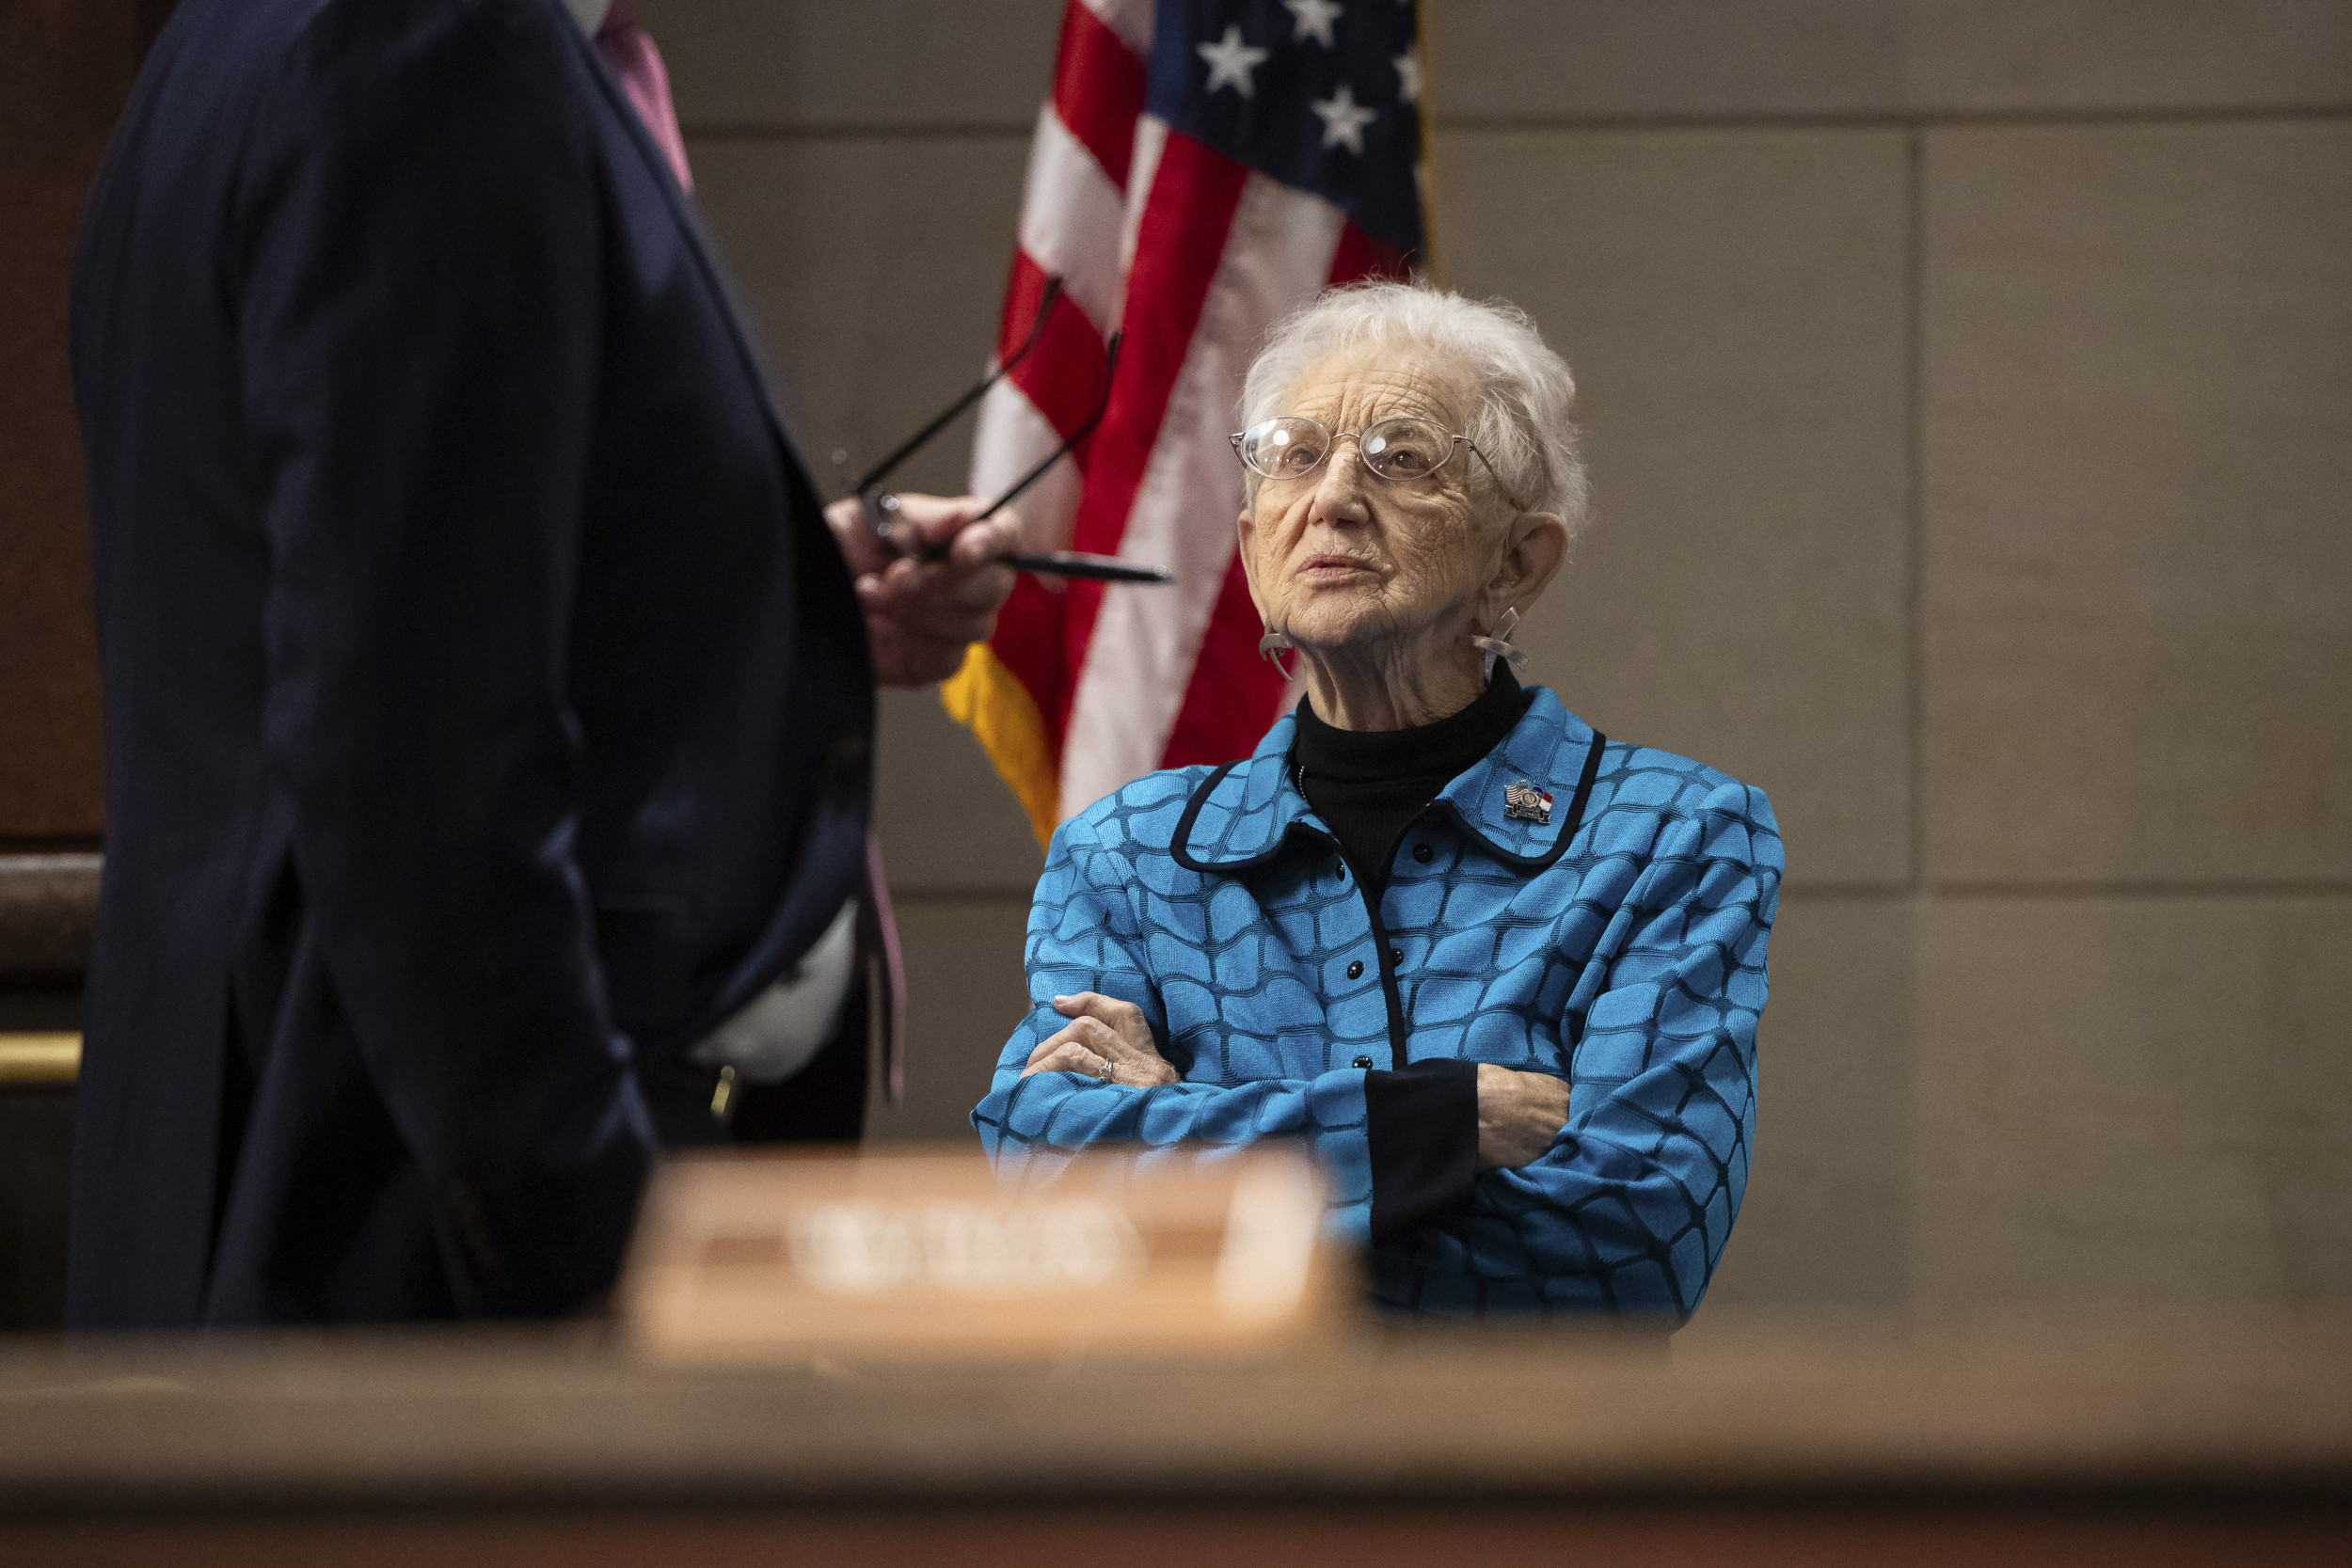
column 1620, row 942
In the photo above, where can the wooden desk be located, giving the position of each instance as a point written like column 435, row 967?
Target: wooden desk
column 2143, row 1442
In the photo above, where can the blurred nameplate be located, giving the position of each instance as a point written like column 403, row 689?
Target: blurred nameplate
column 769, row 1257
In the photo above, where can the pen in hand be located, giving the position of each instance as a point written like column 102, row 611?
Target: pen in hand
column 1077, row 563
column 881, row 516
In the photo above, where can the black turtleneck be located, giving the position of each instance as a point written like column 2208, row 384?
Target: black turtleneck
column 1367, row 785
column 1421, row 1118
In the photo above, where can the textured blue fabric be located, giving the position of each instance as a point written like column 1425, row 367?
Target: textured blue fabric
column 1628, row 957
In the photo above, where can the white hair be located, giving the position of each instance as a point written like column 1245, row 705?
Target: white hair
column 1521, row 424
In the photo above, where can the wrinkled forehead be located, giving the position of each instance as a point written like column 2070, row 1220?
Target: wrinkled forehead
column 1364, row 385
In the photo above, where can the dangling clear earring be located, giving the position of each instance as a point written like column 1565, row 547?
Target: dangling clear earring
column 1272, row 646
column 1498, row 644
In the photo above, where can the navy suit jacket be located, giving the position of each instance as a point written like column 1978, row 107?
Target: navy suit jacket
column 489, row 712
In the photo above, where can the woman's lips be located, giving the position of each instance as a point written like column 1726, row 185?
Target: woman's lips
column 1331, row 568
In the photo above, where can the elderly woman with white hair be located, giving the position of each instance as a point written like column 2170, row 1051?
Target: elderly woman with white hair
column 1502, row 973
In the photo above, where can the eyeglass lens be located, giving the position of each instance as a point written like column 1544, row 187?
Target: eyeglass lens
column 1294, row 445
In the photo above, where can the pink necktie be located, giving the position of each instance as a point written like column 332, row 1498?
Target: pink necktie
column 628, row 49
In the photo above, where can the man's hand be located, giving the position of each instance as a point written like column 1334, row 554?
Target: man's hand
column 920, row 616
column 1106, row 1039
column 1518, row 1114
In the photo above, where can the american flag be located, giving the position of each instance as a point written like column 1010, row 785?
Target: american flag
column 1203, row 167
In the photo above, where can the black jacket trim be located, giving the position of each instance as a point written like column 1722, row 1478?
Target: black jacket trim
column 1391, row 991
column 1181, row 852
column 1180, row 845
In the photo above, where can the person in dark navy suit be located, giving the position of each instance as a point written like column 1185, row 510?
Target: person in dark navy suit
column 489, row 704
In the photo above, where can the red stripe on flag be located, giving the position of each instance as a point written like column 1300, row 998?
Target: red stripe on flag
column 1233, row 692
column 1098, row 89
column 1359, row 256
column 1063, row 374
column 1027, row 642
column 1179, row 244
column 1022, row 289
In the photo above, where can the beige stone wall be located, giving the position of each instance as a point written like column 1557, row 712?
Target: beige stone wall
column 1969, row 394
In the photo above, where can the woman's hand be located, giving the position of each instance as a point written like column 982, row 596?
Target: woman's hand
column 1105, row 1039
column 920, row 616
column 1518, row 1114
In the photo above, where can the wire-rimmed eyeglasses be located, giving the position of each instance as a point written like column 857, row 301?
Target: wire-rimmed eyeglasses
column 1402, row 451
column 880, row 507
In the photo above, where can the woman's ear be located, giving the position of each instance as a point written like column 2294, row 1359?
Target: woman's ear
column 1245, row 540
column 1538, row 547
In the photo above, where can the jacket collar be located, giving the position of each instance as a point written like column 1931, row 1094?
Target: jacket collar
column 682, row 208
column 1240, row 816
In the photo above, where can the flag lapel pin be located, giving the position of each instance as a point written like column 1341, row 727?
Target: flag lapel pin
column 1523, row 803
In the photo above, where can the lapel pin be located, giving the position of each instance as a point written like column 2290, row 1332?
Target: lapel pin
column 1523, row 803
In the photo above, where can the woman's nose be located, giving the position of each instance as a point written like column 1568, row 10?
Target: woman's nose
column 1339, row 488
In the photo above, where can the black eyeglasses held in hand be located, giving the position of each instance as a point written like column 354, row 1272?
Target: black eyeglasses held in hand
column 880, row 507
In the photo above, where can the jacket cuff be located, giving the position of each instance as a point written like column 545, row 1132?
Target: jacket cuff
column 1421, row 1128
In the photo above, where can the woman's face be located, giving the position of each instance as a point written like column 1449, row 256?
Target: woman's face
column 1345, row 558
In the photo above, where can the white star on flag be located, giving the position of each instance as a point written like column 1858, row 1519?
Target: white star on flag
column 1344, row 121
column 1315, row 19
column 1230, row 61
column 1408, row 77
